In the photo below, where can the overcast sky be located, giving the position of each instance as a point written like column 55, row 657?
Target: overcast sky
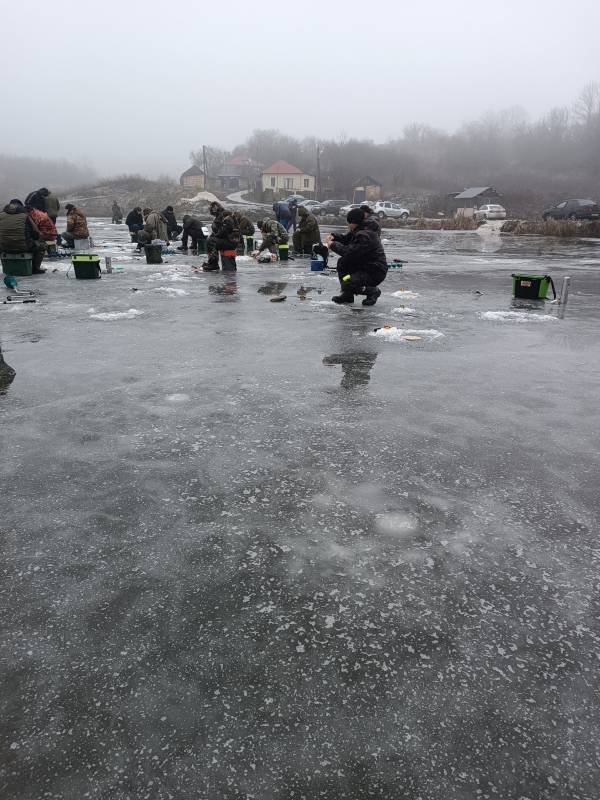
column 134, row 86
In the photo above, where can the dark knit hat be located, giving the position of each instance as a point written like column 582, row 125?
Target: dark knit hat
column 355, row 216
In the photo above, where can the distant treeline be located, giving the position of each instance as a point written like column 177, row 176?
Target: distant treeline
column 20, row 175
column 555, row 156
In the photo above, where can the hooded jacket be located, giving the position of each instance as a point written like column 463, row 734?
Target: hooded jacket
column 273, row 234
column 156, row 226
column 18, row 232
column 52, row 206
column 224, row 226
column 361, row 249
column 77, row 224
column 308, row 232
column 134, row 218
column 169, row 215
column 192, row 226
column 37, row 199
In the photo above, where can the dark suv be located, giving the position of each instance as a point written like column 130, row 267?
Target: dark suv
column 573, row 209
column 332, row 206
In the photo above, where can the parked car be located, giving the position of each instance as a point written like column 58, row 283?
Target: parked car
column 385, row 208
column 332, row 206
column 312, row 205
column 573, row 209
column 490, row 211
column 300, row 199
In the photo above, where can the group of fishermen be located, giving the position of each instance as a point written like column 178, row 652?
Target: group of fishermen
column 30, row 227
column 362, row 265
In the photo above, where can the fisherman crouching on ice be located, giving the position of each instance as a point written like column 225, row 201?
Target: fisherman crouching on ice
column 363, row 265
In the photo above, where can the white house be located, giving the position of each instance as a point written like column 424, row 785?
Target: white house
column 285, row 178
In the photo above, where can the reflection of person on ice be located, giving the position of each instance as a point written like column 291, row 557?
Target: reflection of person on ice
column 363, row 265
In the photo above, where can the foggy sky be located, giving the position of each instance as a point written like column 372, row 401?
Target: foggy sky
column 134, row 86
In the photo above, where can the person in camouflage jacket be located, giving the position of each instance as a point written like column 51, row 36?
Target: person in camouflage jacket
column 273, row 234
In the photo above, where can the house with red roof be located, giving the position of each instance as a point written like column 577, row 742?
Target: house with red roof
column 282, row 178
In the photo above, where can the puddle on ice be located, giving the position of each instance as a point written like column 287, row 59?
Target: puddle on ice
column 392, row 334
column 110, row 316
column 516, row 316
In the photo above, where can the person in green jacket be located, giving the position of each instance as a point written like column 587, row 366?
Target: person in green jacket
column 307, row 234
column 20, row 234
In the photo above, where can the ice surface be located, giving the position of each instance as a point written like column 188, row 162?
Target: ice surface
column 252, row 550
column 405, row 294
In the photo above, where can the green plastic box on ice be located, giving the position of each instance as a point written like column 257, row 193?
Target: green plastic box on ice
column 20, row 264
column 532, row 287
column 87, row 267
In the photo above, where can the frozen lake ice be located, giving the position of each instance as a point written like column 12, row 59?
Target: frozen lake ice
column 250, row 550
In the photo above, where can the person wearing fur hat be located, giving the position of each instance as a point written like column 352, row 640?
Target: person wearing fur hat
column 363, row 264
column 225, row 236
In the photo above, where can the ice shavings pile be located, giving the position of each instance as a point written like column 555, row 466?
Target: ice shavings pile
column 110, row 316
column 516, row 316
column 392, row 334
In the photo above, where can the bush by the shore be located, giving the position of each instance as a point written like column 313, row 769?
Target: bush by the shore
column 552, row 227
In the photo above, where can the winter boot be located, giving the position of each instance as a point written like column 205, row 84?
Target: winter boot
column 372, row 295
column 344, row 297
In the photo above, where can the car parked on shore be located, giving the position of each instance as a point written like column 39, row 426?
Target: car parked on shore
column 385, row 208
column 312, row 205
column 573, row 209
column 332, row 206
column 490, row 211
column 299, row 198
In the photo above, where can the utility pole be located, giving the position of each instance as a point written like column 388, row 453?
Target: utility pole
column 204, row 167
column 318, row 192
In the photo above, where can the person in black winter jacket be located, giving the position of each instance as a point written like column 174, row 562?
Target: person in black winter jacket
column 135, row 220
column 172, row 227
column 363, row 264
column 225, row 236
column 371, row 221
column 192, row 229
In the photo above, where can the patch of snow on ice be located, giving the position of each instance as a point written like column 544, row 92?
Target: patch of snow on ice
column 405, row 293
column 109, row 316
column 403, row 310
column 393, row 334
column 516, row 316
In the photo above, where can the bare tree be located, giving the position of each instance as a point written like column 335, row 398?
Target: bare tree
column 586, row 108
